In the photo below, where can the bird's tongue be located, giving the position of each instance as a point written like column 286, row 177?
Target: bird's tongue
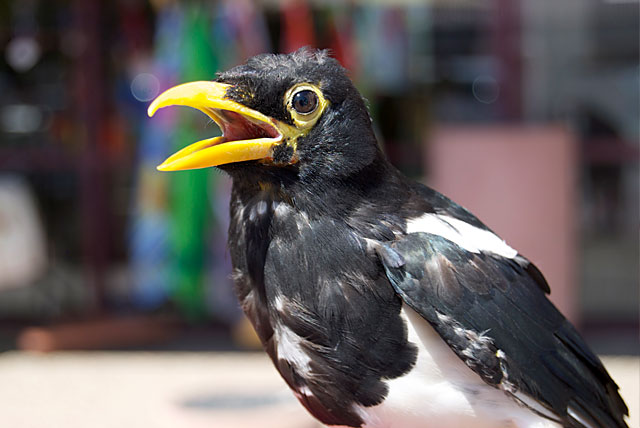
column 236, row 127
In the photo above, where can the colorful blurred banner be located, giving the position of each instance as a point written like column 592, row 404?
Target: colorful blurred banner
column 239, row 31
column 297, row 26
column 149, row 246
column 177, row 241
column 382, row 47
column 190, row 190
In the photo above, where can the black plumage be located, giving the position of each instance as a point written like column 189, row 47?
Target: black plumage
column 327, row 255
column 542, row 354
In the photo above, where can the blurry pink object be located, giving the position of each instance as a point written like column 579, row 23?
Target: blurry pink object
column 521, row 182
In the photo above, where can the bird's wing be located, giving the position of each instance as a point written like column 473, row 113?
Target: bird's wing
column 491, row 309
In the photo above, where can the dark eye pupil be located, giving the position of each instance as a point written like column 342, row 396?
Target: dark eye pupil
column 305, row 102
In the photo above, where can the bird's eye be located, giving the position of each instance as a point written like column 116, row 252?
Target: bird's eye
column 305, row 102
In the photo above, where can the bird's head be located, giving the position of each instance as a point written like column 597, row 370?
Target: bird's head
column 297, row 111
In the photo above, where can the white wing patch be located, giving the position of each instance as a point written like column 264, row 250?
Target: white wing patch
column 463, row 234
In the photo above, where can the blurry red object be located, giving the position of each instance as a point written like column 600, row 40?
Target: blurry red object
column 297, row 26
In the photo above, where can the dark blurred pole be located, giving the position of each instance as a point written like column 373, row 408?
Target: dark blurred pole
column 90, row 111
column 507, row 49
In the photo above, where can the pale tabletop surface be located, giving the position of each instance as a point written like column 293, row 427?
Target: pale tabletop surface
column 173, row 389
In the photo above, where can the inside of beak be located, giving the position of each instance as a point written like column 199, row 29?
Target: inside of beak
column 246, row 133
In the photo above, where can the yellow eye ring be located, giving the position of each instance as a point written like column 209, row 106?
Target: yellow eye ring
column 298, row 99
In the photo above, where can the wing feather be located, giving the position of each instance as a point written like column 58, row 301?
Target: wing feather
column 493, row 312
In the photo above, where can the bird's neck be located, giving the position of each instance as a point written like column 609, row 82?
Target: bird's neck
column 375, row 185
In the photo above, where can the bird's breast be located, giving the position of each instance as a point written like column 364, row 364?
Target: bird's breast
column 322, row 307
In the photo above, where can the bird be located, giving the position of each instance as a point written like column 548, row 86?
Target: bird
column 381, row 302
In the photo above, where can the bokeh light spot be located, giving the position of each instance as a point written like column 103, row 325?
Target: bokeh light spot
column 21, row 119
column 145, row 87
column 22, row 53
column 485, row 89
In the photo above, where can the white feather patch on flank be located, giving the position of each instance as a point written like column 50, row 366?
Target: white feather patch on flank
column 463, row 234
column 290, row 349
column 441, row 391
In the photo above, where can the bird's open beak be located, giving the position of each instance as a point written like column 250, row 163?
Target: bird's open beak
column 246, row 133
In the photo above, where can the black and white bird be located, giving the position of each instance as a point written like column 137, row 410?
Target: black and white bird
column 381, row 302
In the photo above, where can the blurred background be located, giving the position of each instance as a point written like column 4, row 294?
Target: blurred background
column 525, row 112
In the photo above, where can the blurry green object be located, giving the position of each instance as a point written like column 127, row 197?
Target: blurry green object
column 189, row 190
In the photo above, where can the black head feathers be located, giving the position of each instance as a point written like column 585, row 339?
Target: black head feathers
column 341, row 142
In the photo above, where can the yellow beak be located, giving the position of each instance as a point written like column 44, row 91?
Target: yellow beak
column 247, row 134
